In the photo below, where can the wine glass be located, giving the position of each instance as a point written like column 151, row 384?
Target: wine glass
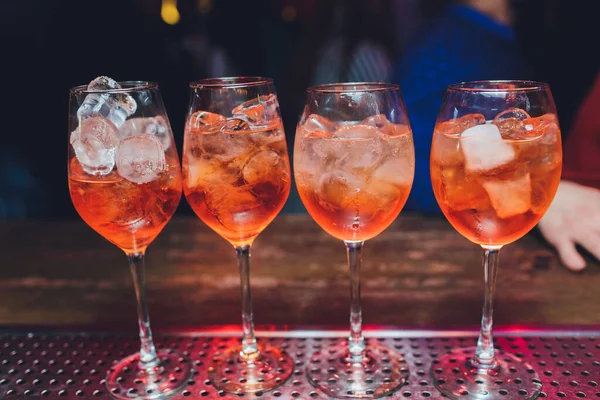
column 236, row 178
column 496, row 160
column 354, row 165
column 125, row 183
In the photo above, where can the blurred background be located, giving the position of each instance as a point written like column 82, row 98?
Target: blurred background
column 49, row 46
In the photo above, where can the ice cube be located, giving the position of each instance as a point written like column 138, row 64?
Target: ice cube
column 360, row 146
column 261, row 112
column 351, row 146
column 273, row 139
column 545, row 126
column 377, row 121
column 203, row 171
column 395, row 171
column 446, row 150
column 117, row 107
column 389, row 180
column 510, row 197
column 236, row 125
column 461, row 191
column 267, row 173
column 222, row 146
column 510, row 123
column 204, row 121
column 317, row 134
column 103, row 83
column 156, row 126
column 317, row 126
column 386, row 129
column 540, row 198
column 76, row 172
column 511, row 113
column 95, row 141
column 355, row 132
column 140, row 158
column 484, row 149
column 336, row 190
column 234, row 206
column 456, row 126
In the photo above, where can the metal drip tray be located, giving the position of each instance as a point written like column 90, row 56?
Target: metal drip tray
column 75, row 365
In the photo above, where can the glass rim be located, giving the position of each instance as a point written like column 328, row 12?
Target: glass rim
column 498, row 86
column 230, row 82
column 128, row 87
column 353, row 87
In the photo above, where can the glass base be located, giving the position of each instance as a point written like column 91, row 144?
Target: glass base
column 380, row 372
column 456, row 377
column 232, row 374
column 127, row 381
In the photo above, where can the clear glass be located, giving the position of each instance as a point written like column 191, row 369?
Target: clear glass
column 125, row 183
column 496, row 160
column 354, row 166
column 236, row 178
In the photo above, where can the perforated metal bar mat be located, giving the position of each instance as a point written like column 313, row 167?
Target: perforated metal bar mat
column 75, row 365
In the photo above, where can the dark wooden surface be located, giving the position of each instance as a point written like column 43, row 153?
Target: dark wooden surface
column 418, row 274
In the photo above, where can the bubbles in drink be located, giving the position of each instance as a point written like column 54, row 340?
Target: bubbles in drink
column 140, row 158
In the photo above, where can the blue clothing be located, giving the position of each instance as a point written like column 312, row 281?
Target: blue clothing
column 462, row 45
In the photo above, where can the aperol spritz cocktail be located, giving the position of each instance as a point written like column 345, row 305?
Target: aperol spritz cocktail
column 125, row 183
column 236, row 178
column 354, row 164
column 496, row 160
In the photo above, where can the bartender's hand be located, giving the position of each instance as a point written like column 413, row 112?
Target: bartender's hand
column 573, row 218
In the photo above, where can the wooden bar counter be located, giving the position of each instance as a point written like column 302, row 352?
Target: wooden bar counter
column 418, row 274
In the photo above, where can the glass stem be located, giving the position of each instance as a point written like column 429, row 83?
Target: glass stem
column 148, row 357
column 249, row 348
column 484, row 355
column 356, row 341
